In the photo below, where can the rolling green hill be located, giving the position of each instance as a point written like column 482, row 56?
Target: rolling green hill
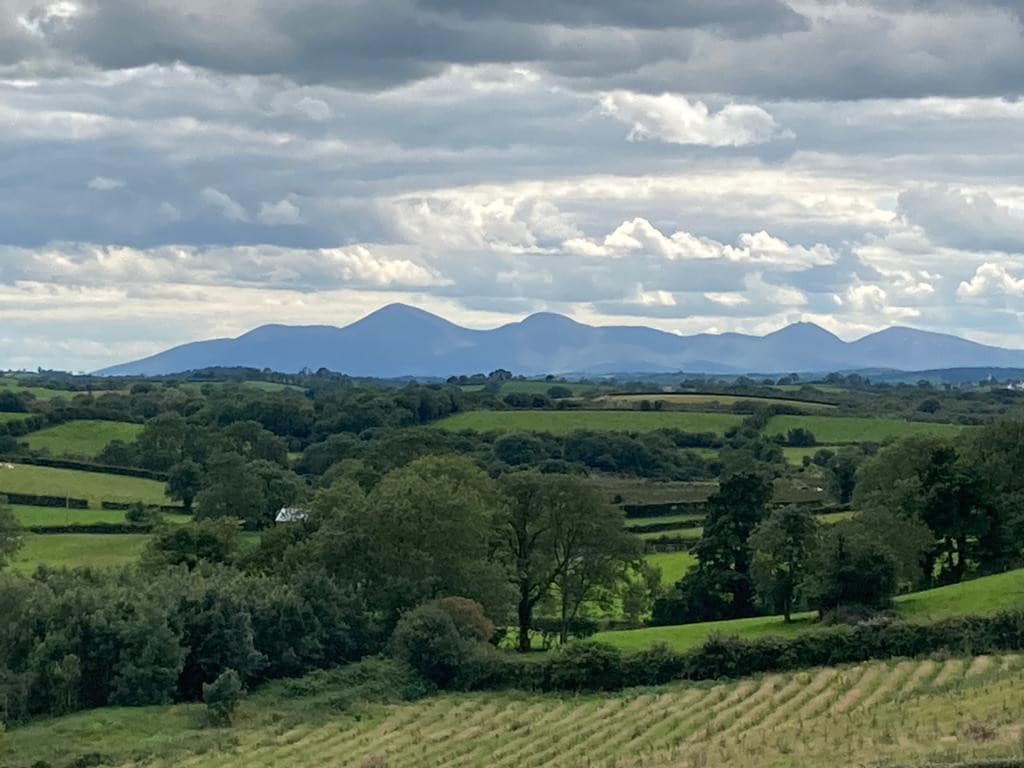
column 85, row 438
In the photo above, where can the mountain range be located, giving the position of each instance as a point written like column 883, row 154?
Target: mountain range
column 399, row 340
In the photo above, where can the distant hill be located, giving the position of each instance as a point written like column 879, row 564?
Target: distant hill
column 400, row 340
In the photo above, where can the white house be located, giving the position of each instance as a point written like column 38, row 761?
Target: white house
column 290, row 515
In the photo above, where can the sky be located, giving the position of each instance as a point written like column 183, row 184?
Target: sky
column 174, row 170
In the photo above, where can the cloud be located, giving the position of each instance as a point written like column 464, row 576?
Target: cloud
column 961, row 218
column 282, row 213
column 653, row 298
column 990, row 280
column 229, row 209
column 676, row 120
column 640, row 236
column 264, row 266
column 873, row 301
column 764, row 48
column 104, row 184
column 314, row 109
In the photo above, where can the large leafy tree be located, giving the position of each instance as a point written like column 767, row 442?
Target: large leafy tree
column 424, row 531
column 723, row 551
column 231, row 488
column 558, row 529
column 994, row 456
column 925, row 479
column 782, row 547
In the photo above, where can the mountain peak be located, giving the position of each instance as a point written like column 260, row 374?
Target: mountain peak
column 549, row 320
column 804, row 332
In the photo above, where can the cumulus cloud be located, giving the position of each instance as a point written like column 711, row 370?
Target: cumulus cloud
column 677, row 120
column 640, row 236
column 282, row 213
column 228, row 207
column 989, row 280
column 872, row 300
column 263, row 266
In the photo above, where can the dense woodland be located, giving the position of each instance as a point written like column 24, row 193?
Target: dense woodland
column 438, row 547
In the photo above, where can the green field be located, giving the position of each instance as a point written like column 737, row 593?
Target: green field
column 85, row 438
column 94, row 486
column 564, row 422
column 977, row 597
column 901, row 712
column 795, row 456
column 73, row 550
column 6, row 418
column 44, row 516
column 673, row 565
column 40, row 393
column 839, row 429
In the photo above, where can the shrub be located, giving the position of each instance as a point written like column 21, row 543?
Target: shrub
column 222, row 697
column 586, row 665
column 469, row 618
column 428, row 640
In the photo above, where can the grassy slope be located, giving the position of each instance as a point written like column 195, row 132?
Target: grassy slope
column 977, row 597
column 85, row 437
column 8, row 417
column 73, row 550
column 41, row 393
column 94, row 486
column 563, row 422
column 34, row 516
column 839, row 429
column 900, row 712
column 673, row 565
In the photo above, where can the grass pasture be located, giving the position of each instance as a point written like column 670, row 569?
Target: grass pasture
column 834, row 430
column 6, row 418
column 894, row 713
column 983, row 596
column 542, row 387
column 41, row 393
column 93, row 486
column 74, row 550
column 565, row 422
column 673, row 565
column 53, row 516
column 85, row 438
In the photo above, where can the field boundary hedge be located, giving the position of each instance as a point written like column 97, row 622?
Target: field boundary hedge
column 88, row 466
column 590, row 665
column 123, row 506
column 668, row 508
column 91, row 528
column 35, row 500
column 668, row 544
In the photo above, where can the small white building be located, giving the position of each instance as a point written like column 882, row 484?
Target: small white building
column 290, row 515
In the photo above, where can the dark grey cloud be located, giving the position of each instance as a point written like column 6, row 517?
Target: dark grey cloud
column 730, row 16
column 754, row 48
column 964, row 219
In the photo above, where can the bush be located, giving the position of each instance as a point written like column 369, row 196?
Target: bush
column 222, row 697
column 428, row 640
column 469, row 618
column 587, row 665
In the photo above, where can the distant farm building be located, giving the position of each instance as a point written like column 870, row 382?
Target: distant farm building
column 290, row 515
